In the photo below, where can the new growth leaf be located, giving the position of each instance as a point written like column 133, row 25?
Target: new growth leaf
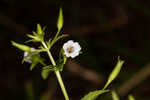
column 115, row 72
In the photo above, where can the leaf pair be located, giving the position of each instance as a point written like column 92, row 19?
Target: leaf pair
column 48, row 69
column 37, row 36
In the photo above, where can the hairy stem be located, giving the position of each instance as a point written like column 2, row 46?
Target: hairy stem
column 57, row 73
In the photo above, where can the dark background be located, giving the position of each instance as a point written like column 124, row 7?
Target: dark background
column 105, row 29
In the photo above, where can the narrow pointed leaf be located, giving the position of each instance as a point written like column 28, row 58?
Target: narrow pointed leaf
column 21, row 46
column 31, row 36
column 65, row 59
column 31, row 40
column 93, row 95
column 39, row 29
column 130, row 97
column 34, row 38
column 60, row 19
column 34, row 63
column 114, row 73
column 62, row 36
column 34, row 33
column 114, row 95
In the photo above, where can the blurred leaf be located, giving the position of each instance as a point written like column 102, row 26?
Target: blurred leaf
column 39, row 29
column 93, row 95
column 114, row 95
column 29, row 90
column 60, row 19
column 33, row 37
column 45, row 73
column 45, row 96
column 114, row 73
column 34, row 63
column 35, row 60
column 21, row 46
column 130, row 97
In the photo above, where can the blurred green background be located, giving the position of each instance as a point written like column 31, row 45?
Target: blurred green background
column 105, row 29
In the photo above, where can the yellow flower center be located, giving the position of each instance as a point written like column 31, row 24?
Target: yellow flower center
column 70, row 49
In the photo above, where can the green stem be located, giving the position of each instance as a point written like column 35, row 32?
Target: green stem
column 57, row 73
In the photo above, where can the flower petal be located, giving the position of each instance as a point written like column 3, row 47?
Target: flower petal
column 75, row 51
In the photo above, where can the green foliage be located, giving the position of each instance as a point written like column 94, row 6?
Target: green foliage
column 37, row 36
column 114, row 73
column 93, row 95
column 39, row 29
column 46, row 71
column 33, row 56
column 60, row 19
column 114, row 95
column 130, row 97
column 21, row 46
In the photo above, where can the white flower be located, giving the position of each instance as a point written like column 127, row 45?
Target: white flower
column 71, row 49
column 27, row 56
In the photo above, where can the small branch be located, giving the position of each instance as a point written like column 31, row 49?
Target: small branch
column 57, row 73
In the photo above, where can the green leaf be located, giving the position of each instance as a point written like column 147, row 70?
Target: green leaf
column 46, row 71
column 93, row 95
column 31, row 40
column 32, row 36
column 114, row 95
column 130, row 97
column 114, row 73
column 65, row 59
column 60, row 67
column 20, row 46
column 34, row 63
column 35, row 38
column 62, row 57
column 35, row 58
column 60, row 19
column 34, row 33
column 39, row 29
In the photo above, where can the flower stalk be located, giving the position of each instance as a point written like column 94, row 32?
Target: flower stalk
column 57, row 73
